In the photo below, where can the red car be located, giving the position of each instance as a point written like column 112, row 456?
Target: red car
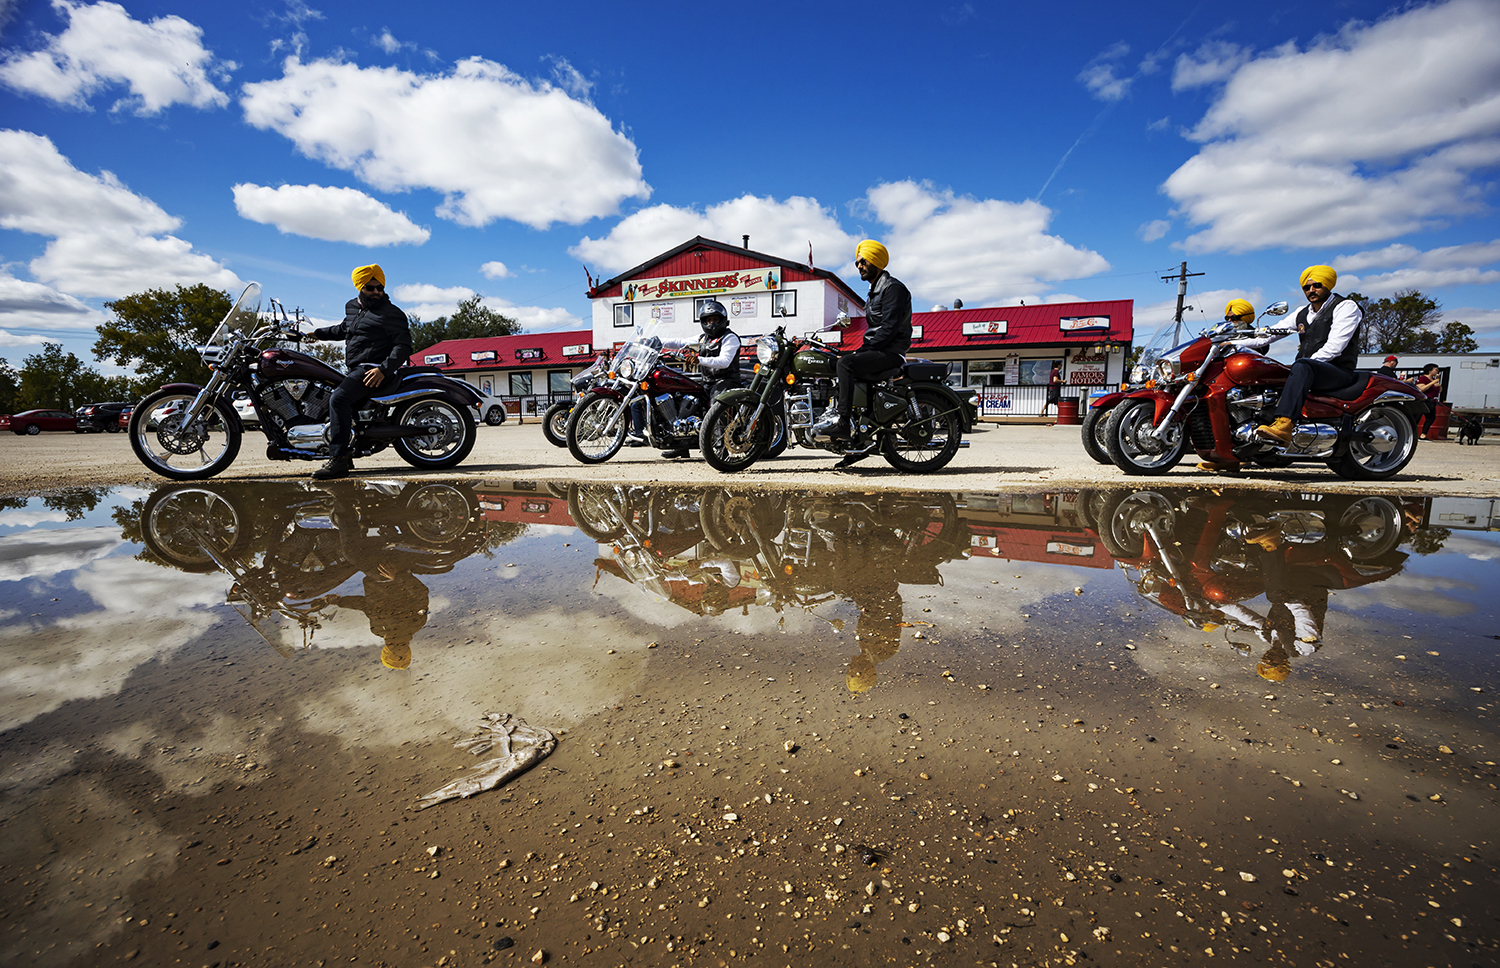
column 36, row 421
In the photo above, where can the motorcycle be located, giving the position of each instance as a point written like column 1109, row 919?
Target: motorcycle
column 555, row 417
column 187, row 432
column 1095, row 443
column 907, row 414
column 1216, row 389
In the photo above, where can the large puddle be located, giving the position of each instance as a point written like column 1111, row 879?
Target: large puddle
column 792, row 728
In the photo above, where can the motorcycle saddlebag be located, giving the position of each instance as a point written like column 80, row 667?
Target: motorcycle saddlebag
column 925, row 370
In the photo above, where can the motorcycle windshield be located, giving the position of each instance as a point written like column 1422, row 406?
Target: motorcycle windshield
column 243, row 317
column 637, row 358
column 1162, row 342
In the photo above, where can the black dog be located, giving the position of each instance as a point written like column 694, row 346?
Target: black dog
column 1471, row 430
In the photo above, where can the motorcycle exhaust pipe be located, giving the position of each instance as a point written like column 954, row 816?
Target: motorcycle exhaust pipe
column 390, row 431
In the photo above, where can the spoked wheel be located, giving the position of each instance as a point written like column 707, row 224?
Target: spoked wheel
column 449, row 436
column 928, row 435
column 1126, row 518
column 555, row 423
column 441, row 513
column 1094, row 441
column 182, row 449
column 596, row 428
column 594, row 513
column 725, row 437
column 1384, row 442
column 1131, row 445
column 179, row 523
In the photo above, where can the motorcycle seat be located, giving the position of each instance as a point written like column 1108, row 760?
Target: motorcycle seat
column 407, row 371
column 1353, row 390
column 879, row 375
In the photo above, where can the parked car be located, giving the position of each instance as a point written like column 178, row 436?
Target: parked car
column 490, row 410
column 35, row 421
column 124, row 422
column 242, row 406
column 96, row 418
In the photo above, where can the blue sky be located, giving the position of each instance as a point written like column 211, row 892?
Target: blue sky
column 1003, row 152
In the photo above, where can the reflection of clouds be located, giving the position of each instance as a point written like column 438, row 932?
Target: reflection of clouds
column 1423, row 594
column 969, row 595
column 1471, row 546
column 209, row 762
column 28, row 518
column 41, row 553
column 147, row 613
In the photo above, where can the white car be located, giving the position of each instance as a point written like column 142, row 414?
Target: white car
column 248, row 417
column 490, row 410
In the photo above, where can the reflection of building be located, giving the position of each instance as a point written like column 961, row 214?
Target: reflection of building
column 525, row 365
column 1045, row 528
column 523, row 503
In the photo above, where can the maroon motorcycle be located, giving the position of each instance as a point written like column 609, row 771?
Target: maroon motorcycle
column 187, row 432
column 674, row 404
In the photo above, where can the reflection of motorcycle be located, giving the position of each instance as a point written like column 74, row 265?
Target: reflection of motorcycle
column 289, row 546
column 188, row 432
column 1215, row 390
column 1205, row 556
column 555, row 417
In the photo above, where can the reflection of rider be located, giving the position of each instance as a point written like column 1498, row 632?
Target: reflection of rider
column 377, row 342
column 718, row 354
column 1329, row 328
column 1299, row 606
column 887, row 338
column 868, row 577
column 395, row 601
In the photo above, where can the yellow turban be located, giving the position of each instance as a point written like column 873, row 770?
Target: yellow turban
column 1239, row 309
column 872, row 252
column 1323, row 274
column 364, row 274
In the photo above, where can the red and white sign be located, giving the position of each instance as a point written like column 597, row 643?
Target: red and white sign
column 578, row 349
column 707, row 284
column 1087, row 370
column 994, row 327
column 1069, row 323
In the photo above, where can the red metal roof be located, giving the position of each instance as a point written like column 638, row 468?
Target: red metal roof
column 700, row 255
column 1038, row 325
column 460, row 352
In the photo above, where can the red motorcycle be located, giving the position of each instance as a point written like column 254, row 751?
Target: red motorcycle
column 1214, row 391
column 637, row 376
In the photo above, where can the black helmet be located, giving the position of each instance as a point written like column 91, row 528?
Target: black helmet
column 713, row 318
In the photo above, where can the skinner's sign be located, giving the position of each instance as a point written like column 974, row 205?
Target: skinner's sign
column 709, row 284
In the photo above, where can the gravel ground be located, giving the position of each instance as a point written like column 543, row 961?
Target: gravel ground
column 1001, row 457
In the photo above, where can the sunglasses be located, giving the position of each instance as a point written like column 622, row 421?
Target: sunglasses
column 861, row 262
column 372, row 285
column 1313, row 285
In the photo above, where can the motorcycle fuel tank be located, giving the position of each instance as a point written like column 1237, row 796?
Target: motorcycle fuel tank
column 289, row 363
column 1246, row 369
column 811, row 362
column 667, row 380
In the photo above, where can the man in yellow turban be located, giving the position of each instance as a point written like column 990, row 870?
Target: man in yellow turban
column 1241, row 313
column 887, row 335
column 377, row 342
column 1329, row 329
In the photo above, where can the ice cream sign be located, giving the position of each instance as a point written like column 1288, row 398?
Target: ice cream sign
column 708, row 284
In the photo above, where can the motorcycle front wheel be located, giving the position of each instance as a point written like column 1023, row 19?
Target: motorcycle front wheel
column 555, row 423
column 1094, row 442
column 450, row 434
column 928, row 438
column 1385, row 441
column 591, row 439
column 1132, row 449
column 725, row 440
column 179, row 449
column 178, row 524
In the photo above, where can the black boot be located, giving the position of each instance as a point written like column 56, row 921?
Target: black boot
column 840, row 430
column 336, row 467
column 674, row 454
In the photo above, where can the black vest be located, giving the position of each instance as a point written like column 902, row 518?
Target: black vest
column 1314, row 333
column 711, row 347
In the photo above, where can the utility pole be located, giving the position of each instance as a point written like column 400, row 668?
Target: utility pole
column 1182, row 276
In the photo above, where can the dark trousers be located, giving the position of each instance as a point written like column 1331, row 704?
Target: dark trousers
column 346, row 399
column 1309, row 376
column 861, row 365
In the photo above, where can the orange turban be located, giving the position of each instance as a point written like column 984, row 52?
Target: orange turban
column 364, row 274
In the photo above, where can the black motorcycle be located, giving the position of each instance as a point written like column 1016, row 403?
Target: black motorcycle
column 187, row 432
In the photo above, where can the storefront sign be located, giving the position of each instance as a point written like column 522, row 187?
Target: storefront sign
column 664, row 314
column 436, row 359
column 528, row 355
column 578, row 349
column 483, row 356
column 742, row 307
column 1087, row 369
column 1012, row 370
column 679, row 287
column 916, row 332
column 1070, row 323
column 994, row 327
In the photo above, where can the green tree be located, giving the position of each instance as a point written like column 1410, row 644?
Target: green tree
column 1402, row 324
column 157, row 333
column 10, row 387
column 61, row 381
column 1456, row 337
column 471, row 320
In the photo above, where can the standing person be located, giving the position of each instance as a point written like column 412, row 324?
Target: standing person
column 887, row 335
column 1429, row 382
column 718, row 355
column 1054, row 388
column 377, row 342
column 1329, row 329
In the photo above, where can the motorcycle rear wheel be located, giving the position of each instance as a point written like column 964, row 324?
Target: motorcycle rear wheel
column 1375, row 460
column 723, row 439
column 1125, row 518
column 929, row 438
column 451, row 434
column 588, row 439
column 555, row 423
column 183, row 453
column 1094, row 442
column 1135, row 454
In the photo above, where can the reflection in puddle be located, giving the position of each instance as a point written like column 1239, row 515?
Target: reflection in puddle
column 1046, row 716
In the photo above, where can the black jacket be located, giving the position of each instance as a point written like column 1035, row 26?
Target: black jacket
column 888, row 315
column 377, row 336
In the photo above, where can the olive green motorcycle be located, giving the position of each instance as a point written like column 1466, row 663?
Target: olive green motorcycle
column 907, row 414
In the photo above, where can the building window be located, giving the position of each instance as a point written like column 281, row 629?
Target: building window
column 986, row 373
column 784, row 303
column 559, row 381
column 520, row 384
column 622, row 315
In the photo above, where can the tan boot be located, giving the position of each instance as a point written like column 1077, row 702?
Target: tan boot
column 1279, row 430
column 1211, row 466
column 1268, row 538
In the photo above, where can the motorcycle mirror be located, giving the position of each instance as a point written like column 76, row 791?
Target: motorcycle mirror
column 1276, row 309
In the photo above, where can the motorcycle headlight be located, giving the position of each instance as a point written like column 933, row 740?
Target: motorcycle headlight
column 766, row 349
column 1139, row 374
column 627, row 369
column 1166, row 370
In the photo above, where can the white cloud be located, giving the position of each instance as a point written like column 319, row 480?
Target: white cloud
column 426, row 293
column 495, row 270
column 982, row 250
column 1215, row 61
column 107, row 241
column 497, row 145
column 1411, row 268
column 161, row 63
column 1372, row 132
column 1484, row 322
column 1394, row 254
column 1099, row 74
column 388, row 42
column 31, row 305
column 782, row 229
column 331, row 214
column 1151, row 231
column 427, row 301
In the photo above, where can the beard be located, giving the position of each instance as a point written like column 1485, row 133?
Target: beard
column 373, row 300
